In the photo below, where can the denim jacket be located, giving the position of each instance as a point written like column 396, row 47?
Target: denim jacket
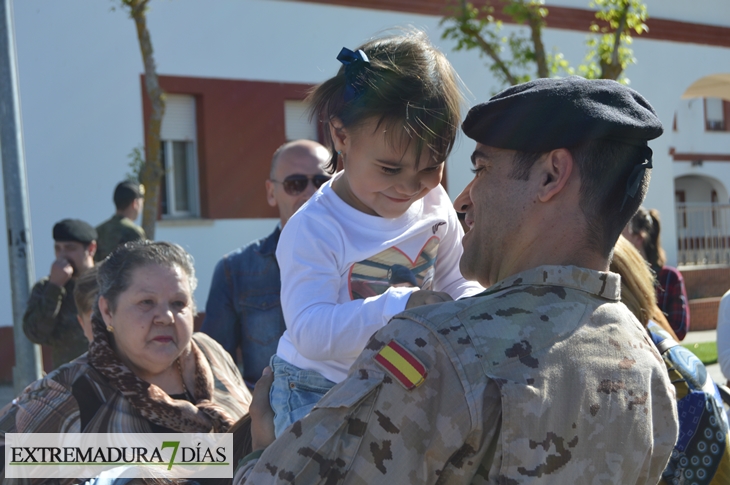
column 243, row 308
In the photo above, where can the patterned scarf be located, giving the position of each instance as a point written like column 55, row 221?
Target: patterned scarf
column 153, row 403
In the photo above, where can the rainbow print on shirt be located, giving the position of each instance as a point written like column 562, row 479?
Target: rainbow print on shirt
column 393, row 267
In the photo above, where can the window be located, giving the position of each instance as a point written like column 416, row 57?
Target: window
column 227, row 130
column 296, row 121
column 714, row 114
column 179, row 188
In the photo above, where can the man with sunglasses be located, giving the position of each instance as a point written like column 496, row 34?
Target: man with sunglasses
column 243, row 309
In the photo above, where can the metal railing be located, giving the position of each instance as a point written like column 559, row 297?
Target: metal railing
column 703, row 234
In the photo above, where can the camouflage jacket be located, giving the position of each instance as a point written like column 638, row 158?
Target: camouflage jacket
column 544, row 378
column 50, row 319
column 113, row 232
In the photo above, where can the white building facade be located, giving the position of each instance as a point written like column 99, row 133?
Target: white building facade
column 237, row 70
column 701, row 153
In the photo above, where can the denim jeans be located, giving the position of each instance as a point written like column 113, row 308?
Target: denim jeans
column 294, row 393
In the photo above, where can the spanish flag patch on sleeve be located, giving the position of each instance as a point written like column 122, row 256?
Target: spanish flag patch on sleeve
column 402, row 365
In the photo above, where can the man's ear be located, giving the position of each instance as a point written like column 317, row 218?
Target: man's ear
column 91, row 248
column 554, row 172
column 270, row 193
column 338, row 133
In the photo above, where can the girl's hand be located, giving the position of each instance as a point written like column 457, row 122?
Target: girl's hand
column 426, row 297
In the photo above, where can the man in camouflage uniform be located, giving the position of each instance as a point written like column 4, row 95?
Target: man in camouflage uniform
column 129, row 201
column 543, row 378
column 50, row 317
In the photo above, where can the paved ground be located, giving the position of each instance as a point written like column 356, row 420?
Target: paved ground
column 716, row 373
column 707, row 336
column 7, row 394
column 699, row 337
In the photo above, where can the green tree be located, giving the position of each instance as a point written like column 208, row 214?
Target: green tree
column 150, row 168
column 519, row 57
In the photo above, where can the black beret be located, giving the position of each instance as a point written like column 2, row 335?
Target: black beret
column 550, row 113
column 74, row 230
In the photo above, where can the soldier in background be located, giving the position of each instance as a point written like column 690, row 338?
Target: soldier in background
column 542, row 378
column 50, row 317
column 129, row 201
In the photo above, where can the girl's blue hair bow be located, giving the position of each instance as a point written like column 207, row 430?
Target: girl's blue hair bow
column 355, row 63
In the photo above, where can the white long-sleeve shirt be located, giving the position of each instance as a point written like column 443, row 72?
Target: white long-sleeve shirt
column 337, row 265
column 723, row 335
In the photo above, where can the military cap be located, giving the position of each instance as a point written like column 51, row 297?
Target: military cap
column 550, row 113
column 74, row 230
column 126, row 192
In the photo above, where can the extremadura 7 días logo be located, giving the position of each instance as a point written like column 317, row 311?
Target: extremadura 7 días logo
column 126, row 455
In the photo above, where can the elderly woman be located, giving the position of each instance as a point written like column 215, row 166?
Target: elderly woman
column 145, row 371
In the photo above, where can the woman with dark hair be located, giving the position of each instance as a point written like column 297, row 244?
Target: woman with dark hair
column 145, row 371
column 643, row 232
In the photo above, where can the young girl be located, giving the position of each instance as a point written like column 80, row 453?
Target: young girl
column 382, row 235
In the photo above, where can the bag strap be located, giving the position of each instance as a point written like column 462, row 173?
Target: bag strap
column 665, row 345
column 661, row 339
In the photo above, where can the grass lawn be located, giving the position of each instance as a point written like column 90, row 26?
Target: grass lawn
column 706, row 351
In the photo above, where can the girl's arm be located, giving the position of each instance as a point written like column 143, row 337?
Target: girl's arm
column 309, row 256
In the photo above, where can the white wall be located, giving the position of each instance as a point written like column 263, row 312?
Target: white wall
column 208, row 240
column 79, row 66
column 691, row 136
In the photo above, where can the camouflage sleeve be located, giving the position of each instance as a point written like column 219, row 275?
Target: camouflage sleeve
column 372, row 429
column 40, row 315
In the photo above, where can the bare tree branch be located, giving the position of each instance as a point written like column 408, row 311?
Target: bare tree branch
column 487, row 48
column 152, row 170
column 512, row 56
column 613, row 69
column 536, row 23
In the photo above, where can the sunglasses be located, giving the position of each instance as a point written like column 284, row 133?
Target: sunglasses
column 296, row 184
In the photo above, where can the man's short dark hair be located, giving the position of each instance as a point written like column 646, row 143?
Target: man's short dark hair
column 604, row 167
column 125, row 193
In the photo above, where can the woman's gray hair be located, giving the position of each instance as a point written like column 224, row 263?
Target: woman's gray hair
column 115, row 273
